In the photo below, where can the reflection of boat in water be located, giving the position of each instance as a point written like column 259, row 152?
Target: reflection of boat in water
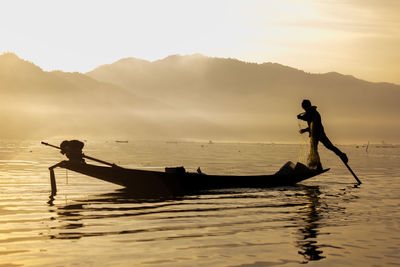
column 177, row 181
column 75, row 215
column 120, row 204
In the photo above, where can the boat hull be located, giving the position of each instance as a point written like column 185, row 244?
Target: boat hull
column 183, row 182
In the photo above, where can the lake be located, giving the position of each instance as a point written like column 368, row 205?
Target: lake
column 326, row 221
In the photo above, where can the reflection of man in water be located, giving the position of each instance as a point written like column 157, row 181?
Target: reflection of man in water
column 317, row 134
column 311, row 216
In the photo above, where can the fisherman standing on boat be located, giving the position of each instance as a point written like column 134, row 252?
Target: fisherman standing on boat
column 73, row 150
column 317, row 134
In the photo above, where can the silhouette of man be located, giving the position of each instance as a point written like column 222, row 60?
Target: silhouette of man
column 317, row 134
column 73, row 150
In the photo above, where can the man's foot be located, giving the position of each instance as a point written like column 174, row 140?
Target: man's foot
column 344, row 158
column 319, row 167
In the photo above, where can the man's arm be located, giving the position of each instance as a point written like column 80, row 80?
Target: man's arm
column 304, row 130
column 302, row 116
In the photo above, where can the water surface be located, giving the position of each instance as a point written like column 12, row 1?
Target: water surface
column 326, row 220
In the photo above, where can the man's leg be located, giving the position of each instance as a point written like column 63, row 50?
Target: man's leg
column 328, row 144
column 313, row 160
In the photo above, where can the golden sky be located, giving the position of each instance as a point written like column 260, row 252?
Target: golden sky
column 357, row 37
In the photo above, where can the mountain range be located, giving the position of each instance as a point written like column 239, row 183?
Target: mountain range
column 190, row 97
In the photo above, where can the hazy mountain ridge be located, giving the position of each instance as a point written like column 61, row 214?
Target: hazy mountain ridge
column 192, row 97
column 265, row 95
column 39, row 103
column 21, row 77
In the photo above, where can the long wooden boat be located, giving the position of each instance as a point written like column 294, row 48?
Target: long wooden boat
column 175, row 181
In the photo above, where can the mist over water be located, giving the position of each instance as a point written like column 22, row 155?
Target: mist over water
column 325, row 220
column 192, row 96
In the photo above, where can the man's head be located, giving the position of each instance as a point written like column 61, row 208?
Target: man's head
column 306, row 104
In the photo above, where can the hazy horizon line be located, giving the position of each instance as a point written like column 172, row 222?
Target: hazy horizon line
column 193, row 54
column 54, row 140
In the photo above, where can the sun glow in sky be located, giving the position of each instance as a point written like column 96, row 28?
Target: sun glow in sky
column 358, row 37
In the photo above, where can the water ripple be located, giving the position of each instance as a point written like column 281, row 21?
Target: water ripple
column 326, row 219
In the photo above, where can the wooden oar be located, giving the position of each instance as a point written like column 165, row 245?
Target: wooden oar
column 355, row 176
column 84, row 156
column 53, row 182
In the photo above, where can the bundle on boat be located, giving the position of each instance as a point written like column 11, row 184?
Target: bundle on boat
column 176, row 180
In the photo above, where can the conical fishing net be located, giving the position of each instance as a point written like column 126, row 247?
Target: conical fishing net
column 313, row 157
column 304, row 144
